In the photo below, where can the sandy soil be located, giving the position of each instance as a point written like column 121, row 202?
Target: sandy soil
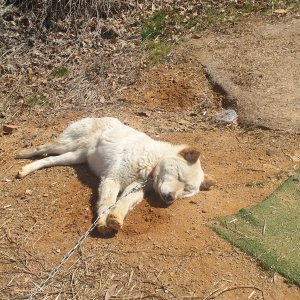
column 161, row 253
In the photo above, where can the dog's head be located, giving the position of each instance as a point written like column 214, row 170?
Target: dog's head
column 180, row 176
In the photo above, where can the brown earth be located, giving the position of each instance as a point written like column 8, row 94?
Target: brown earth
column 161, row 253
column 263, row 80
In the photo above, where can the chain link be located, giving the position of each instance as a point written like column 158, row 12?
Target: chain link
column 54, row 271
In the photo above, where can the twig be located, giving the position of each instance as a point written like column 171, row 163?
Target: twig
column 264, row 227
column 215, row 293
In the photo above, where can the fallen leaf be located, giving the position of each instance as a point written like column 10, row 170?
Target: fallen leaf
column 8, row 129
column 110, row 292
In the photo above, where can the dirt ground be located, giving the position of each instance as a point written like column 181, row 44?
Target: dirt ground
column 161, row 253
column 263, row 80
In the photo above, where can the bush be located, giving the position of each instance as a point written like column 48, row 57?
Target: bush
column 46, row 13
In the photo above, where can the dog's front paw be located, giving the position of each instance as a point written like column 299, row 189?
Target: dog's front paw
column 114, row 221
column 22, row 173
column 103, row 229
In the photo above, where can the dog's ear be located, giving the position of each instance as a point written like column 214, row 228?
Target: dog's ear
column 190, row 154
column 207, row 183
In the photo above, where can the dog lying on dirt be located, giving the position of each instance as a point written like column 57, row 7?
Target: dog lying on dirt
column 128, row 162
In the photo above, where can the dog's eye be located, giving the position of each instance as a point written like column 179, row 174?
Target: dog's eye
column 180, row 178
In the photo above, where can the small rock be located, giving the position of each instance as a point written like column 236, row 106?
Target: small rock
column 45, row 195
column 28, row 192
column 7, row 180
column 9, row 129
column 280, row 11
column 196, row 36
column 29, row 71
column 143, row 114
column 227, row 116
column 270, row 152
column 193, row 202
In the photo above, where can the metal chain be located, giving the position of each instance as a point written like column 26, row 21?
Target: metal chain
column 54, row 271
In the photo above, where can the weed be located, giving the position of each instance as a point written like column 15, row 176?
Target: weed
column 158, row 50
column 255, row 184
column 58, row 73
column 249, row 128
column 37, row 99
column 280, row 175
column 165, row 23
column 211, row 16
column 155, row 26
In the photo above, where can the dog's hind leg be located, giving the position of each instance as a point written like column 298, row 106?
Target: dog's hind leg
column 54, row 148
column 69, row 158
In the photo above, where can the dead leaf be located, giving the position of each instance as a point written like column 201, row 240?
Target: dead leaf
column 102, row 99
column 8, row 129
column 110, row 292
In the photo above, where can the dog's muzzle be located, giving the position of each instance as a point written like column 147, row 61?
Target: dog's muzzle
column 168, row 198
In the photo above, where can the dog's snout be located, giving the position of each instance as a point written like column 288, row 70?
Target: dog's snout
column 168, row 198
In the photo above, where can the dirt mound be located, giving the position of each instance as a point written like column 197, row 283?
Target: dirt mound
column 171, row 87
column 257, row 66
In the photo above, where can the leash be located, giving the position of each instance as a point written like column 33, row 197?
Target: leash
column 55, row 270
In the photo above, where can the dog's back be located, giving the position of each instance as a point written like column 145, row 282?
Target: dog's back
column 80, row 134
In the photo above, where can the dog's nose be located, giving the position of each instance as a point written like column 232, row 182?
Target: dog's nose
column 168, row 198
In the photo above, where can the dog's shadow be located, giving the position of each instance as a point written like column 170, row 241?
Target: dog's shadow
column 88, row 178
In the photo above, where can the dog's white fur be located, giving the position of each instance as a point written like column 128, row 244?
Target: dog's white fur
column 124, row 159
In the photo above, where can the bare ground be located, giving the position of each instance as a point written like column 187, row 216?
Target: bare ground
column 262, row 80
column 161, row 253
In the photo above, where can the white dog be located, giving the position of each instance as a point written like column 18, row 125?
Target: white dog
column 128, row 162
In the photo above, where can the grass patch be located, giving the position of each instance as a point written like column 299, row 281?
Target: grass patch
column 269, row 231
column 178, row 19
column 249, row 128
column 158, row 50
column 59, row 73
column 37, row 99
column 166, row 23
column 155, row 26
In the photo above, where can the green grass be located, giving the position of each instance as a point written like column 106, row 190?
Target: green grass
column 164, row 23
column 158, row 50
column 167, row 22
column 59, row 73
column 37, row 99
column 163, row 27
column 269, row 231
column 155, row 26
